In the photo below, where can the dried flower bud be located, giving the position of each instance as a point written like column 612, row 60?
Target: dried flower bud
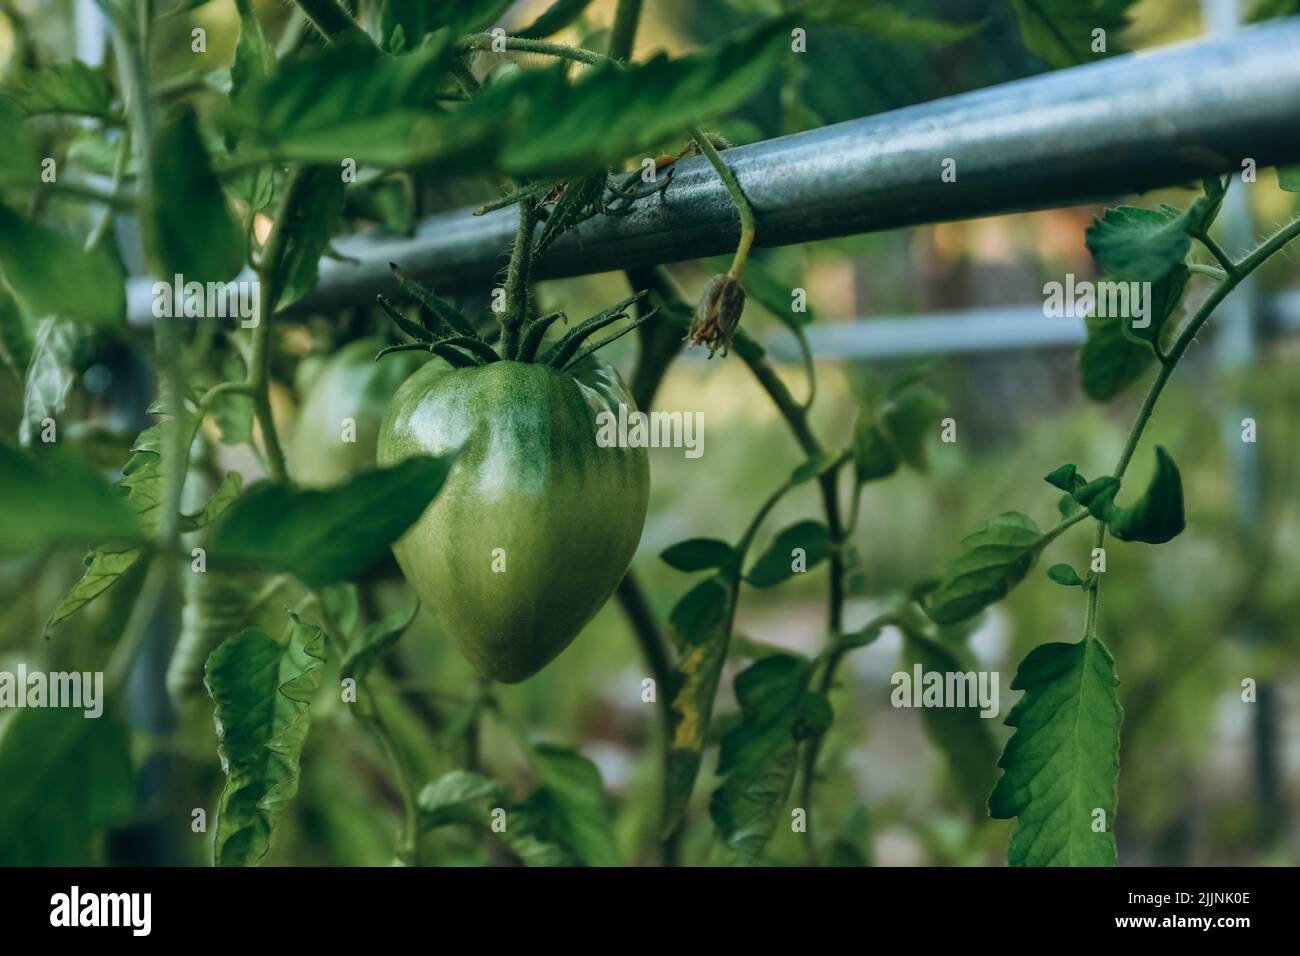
column 718, row 314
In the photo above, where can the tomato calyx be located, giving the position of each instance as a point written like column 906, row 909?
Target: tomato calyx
column 442, row 329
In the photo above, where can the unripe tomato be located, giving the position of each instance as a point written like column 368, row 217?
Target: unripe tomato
column 536, row 524
column 350, row 386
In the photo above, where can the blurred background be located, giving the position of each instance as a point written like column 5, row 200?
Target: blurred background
column 1205, row 777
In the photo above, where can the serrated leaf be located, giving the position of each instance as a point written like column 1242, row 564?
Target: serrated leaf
column 561, row 128
column 698, row 554
column 50, row 498
column 71, row 87
column 776, row 563
column 1060, row 766
column 331, row 535
column 993, row 561
column 350, row 100
column 52, row 274
column 1110, row 361
column 262, row 690
column 1064, row 574
column 962, row 734
column 759, row 757
column 1137, row 244
column 1060, row 32
column 315, row 219
column 49, row 814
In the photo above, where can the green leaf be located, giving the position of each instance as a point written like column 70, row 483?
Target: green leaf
column 71, row 87
column 217, row 504
column 576, row 802
column 350, row 100
column 1288, row 177
column 461, row 797
column 1269, row 9
column 697, row 554
column 993, row 561
column 50, row 375
column 759, row 757
column 52, row 274
column 1138, row 244
column 50, row 499
column 1164, row 297
column 1067, row 478
column 887, row 22
column 1110, row 361
column 189, row 226
column 1157, row 516
column 1060, row 766
column 562, row 128
column 331, row 535
column 1065, row 575
column 262, row 691
column 418, row 18
column 814, row 467
column 1059, row 32
column 313, row 220
column 105, row 566
column 48, row 812
column 874, row 456
column 776, row 563
column 254, row 56
column 18, row 161
column 234, row 418
column 910, row 418
column 375, row 641
column 961, row 734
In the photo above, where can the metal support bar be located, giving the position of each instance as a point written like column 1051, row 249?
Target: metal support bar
column 1122, row 125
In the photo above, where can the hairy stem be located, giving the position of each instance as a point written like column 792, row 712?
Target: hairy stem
column 748, row 223
column 521, row 258
column 333, row 21
column 485, row 41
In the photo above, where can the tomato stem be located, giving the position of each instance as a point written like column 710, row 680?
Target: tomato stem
column 516, row 289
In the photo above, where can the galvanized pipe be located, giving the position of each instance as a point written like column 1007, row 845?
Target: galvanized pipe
column 1123, row 125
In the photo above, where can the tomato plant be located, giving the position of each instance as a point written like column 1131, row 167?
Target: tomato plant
column 326, row 532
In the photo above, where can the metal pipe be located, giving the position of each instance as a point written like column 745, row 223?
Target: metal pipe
column 1122, row 125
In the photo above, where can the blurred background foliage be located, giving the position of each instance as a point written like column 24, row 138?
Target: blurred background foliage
column 1205, row 778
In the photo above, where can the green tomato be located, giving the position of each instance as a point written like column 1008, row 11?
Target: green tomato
column 342, row 408
column 536, row 523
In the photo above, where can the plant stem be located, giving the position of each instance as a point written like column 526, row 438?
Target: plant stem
column 563, row 51
column 333, row 21
column 622, row 37
column 521, row 258
column 269, row 279
column 748, row 224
